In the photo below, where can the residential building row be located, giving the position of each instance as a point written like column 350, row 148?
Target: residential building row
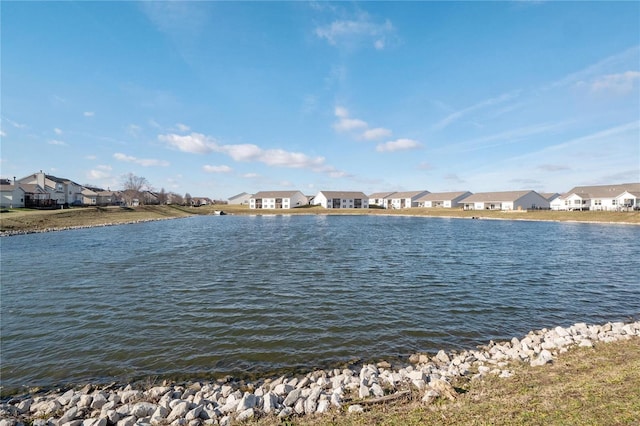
column 41, row 190
column 602, row 197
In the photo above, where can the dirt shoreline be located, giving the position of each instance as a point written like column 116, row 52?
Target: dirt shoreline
column 21, row 221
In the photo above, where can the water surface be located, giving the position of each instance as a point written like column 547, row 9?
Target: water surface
column 226, row 294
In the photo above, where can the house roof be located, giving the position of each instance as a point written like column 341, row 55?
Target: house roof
column 4, row 186
column 407, row 194
column 381, row 194
column 344, row 194
column 240, row 195
column 495, row 196
column 61, row 180
column 275, row 194
column 442, row 196
column 88, row 192
column 32, row 188
column 602, row 191
column 550, row 196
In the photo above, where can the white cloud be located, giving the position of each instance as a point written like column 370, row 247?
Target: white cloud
column 2, row 133
column 57, row 131
column 198, row 143
column 625, row 60
column 134, row 130
column 88, row 113
column 455, row 116
column 57, row 142
column 100, row 172
column 144, row 162
column 346, row 124
column 14, row 123
column 217, row 169
column 195, row 143
column 622, row 83
column 398, row 145
column 349, row 124
column 341, row 112
column 250, row 175
column 353, row 32
column 377, row 133
column 183, row 127
column 91, row 157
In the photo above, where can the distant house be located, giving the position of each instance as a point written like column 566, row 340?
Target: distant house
column 443, row 199
column 61, row 190
column 240, row 199
column 402, row 200
column 379, row 199
column 201, row 201
column 508, row 200
column 601, row 197
column 11, row 195
column 277, row 200
column 107, row 198
column 341, row 200
column 89, row 197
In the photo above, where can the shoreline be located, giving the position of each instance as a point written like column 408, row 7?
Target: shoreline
column 244, row 212
column 330, row 391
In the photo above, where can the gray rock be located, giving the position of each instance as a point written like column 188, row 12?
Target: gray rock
column 69, row 415
column 98, row 401
column 585, row 343
column 442, row 357
column 355, row 408
column 194, row 413
column 76, row 422
column 430, row 395
column 127, row 421
column 292, row 397
column 179, row 410
column 377, row 390
column 112, row 416
column 282, row 389
column 363, row 392
column 65, row 398
column 286, row 412
column 24, row 406
column 95, row 421
column 270, row 401
column 143, row 409
column 249, row 400
column 543, row 358
column 299, row 406
column 160, row 412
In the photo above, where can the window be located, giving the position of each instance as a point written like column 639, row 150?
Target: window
column 597, row 202
column 614, row 202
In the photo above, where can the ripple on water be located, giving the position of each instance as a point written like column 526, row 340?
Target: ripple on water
column 213, row 295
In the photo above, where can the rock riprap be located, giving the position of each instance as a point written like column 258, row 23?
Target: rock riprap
column 351, row 389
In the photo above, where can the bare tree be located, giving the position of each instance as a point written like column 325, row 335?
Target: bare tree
column 175, row 198
column 187, row 199
column 132, row 188
column 162, row 197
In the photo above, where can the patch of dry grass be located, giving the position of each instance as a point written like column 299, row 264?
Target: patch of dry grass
column 585, row 386
column 29, row 220
column 542, row 215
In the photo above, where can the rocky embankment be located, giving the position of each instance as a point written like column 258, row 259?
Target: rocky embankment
column 10, row 232
column 231, row 402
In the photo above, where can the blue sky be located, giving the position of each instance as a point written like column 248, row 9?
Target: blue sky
column 218, row 98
